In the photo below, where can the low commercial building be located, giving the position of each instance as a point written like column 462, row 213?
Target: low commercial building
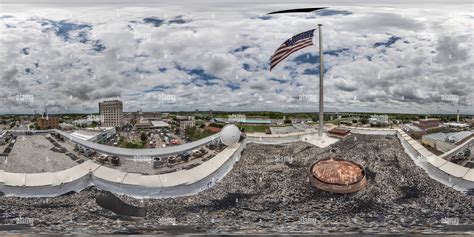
column 413, row 131
column 143, row 124
column 66, row 126
column 457, row 125
column 446, row 141
column 339, row 132
column 159, row 124
column 183, row 124
column 427, row 124
column 48, row 123
column 87, row 121
column 94, row 134
column 379, row 120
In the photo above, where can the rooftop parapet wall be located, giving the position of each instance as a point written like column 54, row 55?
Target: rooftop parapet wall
column 204, row 176
column 446, row 172
column 181, row 183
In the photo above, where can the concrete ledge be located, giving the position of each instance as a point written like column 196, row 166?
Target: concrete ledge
column 424, row 152
column 2, row 176
column 74, row 173
column 469, row 176
column 109, row 174
column 435, row 160
column 14, row 179
column 183, row 182
column 40, row 179
column 142, row 180
column 454, row 169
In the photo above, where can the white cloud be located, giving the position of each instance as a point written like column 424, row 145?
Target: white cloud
column 431, row 56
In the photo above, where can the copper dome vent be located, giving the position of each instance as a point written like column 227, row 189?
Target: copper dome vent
column 337, row 175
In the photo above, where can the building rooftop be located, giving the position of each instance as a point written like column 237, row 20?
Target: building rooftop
column 285, row 130
column 159, row 124
column 458, row 125
column 453, row 137
column 110, row 101
column 341, row 131
column 413, row 127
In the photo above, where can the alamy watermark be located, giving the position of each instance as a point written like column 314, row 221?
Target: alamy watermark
column 308, row 220
column 283, row 159
column 167, row 221
column 24, row 221
column 165, row 97
column 145, row 159
column 21, row 97
column 450, row 221
column 309, row 97
column 140, row 35
column 449, row 97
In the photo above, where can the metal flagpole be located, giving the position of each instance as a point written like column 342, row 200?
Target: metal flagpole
column 321, row 73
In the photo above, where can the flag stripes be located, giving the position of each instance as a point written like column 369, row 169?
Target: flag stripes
column 290, row 46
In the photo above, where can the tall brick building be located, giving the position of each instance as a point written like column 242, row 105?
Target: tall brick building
column 111, row 113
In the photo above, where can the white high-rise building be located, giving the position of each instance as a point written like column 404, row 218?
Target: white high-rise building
column 111, row 113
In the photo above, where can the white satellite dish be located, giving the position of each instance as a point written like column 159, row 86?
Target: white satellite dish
column 230, row 134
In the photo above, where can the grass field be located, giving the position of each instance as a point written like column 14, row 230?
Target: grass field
column 254, row 128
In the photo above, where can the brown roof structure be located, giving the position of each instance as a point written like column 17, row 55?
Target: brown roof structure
column 339, row 132
column 336, row 175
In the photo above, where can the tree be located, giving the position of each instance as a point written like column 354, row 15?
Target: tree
column 364, row 120
column 143, row 137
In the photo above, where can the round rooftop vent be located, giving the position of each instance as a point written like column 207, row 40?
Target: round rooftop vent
column 337, row 175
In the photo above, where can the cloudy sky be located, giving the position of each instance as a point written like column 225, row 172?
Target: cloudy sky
column 414, row 58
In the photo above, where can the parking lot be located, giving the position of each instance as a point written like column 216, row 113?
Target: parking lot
column 32, row 154
column 145, row 165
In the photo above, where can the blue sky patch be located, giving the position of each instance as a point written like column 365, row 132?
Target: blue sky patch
column 177, row 20
column 389, row 42
column 241, row 49
column 98, row 46
column 247, row 67
column 233, row 86
column 328, row 12
column 63, row 28
column 154, row 21
column 25, row 51
column 281, row 81
column 307, row 58
column 264, row 17
column 199, row 77
column 159, row 88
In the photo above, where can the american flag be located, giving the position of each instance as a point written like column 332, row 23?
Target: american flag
column 293, row 44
